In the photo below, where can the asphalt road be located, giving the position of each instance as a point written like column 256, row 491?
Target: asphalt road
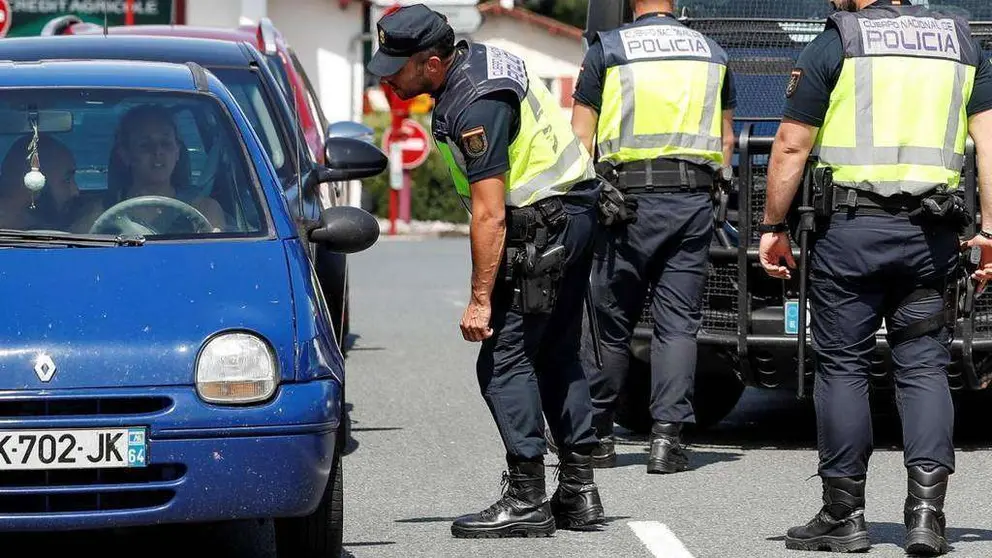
column 425, row 451
column 428, row 450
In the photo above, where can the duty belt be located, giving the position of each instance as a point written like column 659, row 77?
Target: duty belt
column 663, row 175
column 861, row 201
column 524, row 223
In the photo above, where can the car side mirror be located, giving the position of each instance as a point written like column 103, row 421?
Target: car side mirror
column 351, row 129
column 345, row 230
column 352, row 159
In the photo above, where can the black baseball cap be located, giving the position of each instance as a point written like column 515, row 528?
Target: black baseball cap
column 402, row 34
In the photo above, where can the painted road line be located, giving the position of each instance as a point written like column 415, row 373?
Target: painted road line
column 659, row 539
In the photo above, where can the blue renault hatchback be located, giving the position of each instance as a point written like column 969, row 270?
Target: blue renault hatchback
column 165, row 352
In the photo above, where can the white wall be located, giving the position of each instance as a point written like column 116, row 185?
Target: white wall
column 546, row 55
column 323, row 35
column 319, row 31
column 213, row 13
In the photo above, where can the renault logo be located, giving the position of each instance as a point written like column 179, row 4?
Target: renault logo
column 44, row 367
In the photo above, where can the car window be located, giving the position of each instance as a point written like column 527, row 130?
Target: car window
column 312, row 101
column 275, row 66
column 116, row 161
column 247, row 90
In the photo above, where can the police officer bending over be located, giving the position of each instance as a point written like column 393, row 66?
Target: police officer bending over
column 884, row 99
column 659, row 99
column 533, row 193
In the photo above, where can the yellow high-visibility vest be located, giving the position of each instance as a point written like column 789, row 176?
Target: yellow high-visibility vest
column 897, row 121
column 661, row 94
column 546, row 158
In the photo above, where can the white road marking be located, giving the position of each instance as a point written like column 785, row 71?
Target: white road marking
column 659, row 539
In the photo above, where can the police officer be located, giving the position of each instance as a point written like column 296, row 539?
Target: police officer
column 884, row 99
column 532, row 192
column 659, row 99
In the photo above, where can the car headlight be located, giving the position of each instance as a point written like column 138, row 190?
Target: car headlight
column 236, row 368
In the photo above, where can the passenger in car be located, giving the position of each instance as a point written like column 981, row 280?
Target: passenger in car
column 57, row 205
column 149, row 159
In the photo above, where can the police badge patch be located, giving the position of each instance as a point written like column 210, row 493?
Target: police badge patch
column 794, row 79
column 475, row 142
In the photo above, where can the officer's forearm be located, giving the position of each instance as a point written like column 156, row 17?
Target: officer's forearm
column 980, row 128
column 487, row 235
column 729, row 142
column 584, row 121
column 790, row 152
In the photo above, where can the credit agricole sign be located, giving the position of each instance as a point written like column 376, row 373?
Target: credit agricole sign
column 27, row 17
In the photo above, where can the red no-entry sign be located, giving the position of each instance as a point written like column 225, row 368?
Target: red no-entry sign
column 413, row 140
column 5, row 17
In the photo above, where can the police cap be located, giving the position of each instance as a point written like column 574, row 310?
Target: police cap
column 402, row 34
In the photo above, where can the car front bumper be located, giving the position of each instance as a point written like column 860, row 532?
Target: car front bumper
column 271, row 460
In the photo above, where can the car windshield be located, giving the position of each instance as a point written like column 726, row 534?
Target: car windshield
column 247, row 91
column 159, row 165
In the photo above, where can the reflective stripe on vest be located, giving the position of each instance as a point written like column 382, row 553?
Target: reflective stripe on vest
column 546, row 158
column 897, row 120
column 679, row 102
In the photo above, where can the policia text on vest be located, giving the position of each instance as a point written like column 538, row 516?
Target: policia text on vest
column 887, row 145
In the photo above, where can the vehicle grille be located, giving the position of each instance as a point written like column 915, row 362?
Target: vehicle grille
column 760, row 183
column 82, row 406
column 720, row 308
column 983, row 314
column 25, row 492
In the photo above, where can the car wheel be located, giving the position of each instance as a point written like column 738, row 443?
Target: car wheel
column 716, row 393
column 320, row 534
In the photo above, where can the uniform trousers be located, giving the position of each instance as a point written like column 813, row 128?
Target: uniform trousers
column 863, row 269
column 530, row 366
column 664, row 255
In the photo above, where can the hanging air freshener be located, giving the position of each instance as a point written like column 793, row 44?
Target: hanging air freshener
column 34, row 180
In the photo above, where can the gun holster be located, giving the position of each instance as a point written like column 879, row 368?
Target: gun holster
column 536, row 276
column 823, row 192
column 614, row 207
column 533, row 267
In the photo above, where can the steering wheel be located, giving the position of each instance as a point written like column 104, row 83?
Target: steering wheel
column 115, row 219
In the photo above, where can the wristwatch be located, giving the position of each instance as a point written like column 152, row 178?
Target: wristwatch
column 776, row 228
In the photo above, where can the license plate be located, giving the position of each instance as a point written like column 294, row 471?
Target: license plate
column 790, row 317
column 91, row 448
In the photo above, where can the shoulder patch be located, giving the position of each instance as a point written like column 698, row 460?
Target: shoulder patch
column 794, row 79
column 475, row 142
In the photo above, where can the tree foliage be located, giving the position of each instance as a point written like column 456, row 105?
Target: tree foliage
column 572, row 12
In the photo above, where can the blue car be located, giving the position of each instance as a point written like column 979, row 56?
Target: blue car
column 166, row 354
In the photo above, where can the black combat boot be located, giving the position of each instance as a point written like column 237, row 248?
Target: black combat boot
column 523, row 511
column 604, row 455
column 667, row 454
column 924, row 511
column 576, row 504
column 840, row 524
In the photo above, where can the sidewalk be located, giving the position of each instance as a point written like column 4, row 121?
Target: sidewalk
column 420, row 230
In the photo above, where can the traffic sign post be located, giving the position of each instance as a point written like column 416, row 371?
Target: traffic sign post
column 406, row 141
column 413, row 141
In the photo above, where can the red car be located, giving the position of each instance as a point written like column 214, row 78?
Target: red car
column 283, row 63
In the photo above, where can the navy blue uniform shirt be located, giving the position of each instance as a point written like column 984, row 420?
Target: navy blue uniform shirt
column 820, row 66
column 589, row 89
